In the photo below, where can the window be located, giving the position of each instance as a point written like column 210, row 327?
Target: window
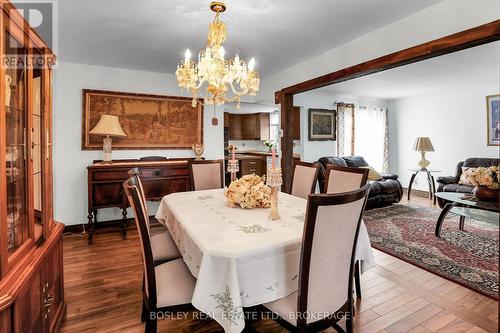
column 362, row 131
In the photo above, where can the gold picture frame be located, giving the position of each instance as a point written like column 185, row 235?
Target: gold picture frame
column 493, row 120
column 150, row 121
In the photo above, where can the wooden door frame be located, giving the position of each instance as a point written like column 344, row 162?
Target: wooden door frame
column 479, row 35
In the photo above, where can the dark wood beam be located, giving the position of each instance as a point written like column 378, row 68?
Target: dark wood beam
column 287, row 141
column 482, row 34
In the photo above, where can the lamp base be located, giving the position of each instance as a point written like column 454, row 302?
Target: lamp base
column 423, row 164
column 106, row 150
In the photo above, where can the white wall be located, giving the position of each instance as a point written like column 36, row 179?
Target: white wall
column 454, row 120
column 70, row 162
column 442, row 19
column 312, row 150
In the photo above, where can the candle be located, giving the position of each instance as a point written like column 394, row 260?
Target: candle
column 232, row 153
column 187, row 57
column 273, row 151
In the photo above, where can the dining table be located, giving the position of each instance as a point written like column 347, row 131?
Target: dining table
column 239, row 257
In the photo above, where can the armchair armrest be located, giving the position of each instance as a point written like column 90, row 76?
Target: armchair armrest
column 389, row 176
column 447, row 180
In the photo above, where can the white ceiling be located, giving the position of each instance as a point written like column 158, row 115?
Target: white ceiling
column 153, row 34
column 479, row 65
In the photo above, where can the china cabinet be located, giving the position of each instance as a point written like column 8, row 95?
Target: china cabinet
column 31, row 275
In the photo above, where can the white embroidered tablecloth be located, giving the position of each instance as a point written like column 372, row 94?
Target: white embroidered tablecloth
column 239, row 257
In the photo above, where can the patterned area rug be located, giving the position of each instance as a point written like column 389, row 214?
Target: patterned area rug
column 468, row 257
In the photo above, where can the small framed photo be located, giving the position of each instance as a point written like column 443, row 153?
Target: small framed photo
column 493, row 116
column 322, row 125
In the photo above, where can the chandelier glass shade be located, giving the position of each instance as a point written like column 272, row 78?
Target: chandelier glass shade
column 224, row 80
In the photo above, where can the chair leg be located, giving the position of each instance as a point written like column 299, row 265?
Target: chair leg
column 151, row 326
column 144, row 312
column 349, row 319
column 357, row 278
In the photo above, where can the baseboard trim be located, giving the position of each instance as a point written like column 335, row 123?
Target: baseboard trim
column 418, row 193
column 82, row 228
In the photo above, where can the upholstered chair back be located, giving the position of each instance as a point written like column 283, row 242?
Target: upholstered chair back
column 206, row 175
column 305, row 177
column 142, row 222
column 344, row 179
column 328, row 248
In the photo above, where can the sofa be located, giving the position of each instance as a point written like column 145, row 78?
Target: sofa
column 383, row 192
column 450, row 183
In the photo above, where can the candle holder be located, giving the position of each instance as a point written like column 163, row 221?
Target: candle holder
column 274, row 180
column 233, row 167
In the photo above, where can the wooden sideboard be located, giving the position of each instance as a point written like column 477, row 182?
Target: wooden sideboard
column 159, row 178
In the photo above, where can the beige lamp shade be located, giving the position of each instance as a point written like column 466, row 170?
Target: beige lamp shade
column 108, row 125
column 423, row 143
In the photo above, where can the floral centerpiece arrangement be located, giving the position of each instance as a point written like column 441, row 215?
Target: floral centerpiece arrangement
column 486, row 182
column 250, row 191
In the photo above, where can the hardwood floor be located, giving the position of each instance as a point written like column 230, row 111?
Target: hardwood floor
column 103, row 292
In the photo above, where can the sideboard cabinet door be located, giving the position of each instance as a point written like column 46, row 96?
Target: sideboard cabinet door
column 52, row 289
column 28, row 307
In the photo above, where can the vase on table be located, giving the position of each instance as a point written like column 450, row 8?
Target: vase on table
column 198, row 149
column 483, row 193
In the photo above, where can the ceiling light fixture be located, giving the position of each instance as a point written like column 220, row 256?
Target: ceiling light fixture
column 216, row 73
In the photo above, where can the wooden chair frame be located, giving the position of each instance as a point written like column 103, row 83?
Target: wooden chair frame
column 149, row 307
column 315, row 201
column 329, row 167
column 308, row 165
column 191, row 175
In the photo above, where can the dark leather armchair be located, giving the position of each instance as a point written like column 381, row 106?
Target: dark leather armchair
column 382, row 192
column 450, row 183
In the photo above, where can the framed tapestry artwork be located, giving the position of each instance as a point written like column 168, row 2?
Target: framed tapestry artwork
column 150, row 121
column 322, row 125
column 493, row 116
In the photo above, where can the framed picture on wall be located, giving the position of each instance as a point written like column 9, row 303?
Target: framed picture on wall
column 150, row 121
column 322, row 125
column 493, row 116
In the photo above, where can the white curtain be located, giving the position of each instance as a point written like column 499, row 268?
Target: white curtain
column 370, row 136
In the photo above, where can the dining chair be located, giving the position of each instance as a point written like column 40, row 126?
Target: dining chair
column 206, row 174
column 304, row 179
column 325, row 278
column 167, row 287
column 162, row 244
column 340, row 179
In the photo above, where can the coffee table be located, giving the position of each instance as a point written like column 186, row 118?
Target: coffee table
column 466, row 205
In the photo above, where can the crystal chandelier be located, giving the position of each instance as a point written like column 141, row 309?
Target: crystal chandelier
column 214, row 71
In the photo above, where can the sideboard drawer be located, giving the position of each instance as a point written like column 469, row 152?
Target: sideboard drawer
column 110, row 175
column 163, row 172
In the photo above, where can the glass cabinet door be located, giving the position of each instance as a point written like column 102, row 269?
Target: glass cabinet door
column 36, row 150
column 16, row 146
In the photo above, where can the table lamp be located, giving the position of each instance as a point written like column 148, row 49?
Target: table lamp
column 423, row 144
column 108, row 126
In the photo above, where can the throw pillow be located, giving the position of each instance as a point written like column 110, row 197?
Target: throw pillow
column 468, row 176
column 372, row 173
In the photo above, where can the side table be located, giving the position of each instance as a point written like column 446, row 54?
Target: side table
column 430, row 180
